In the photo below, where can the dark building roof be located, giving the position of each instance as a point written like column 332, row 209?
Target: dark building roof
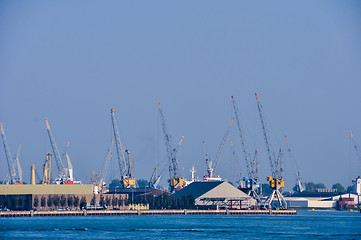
column 196, row 189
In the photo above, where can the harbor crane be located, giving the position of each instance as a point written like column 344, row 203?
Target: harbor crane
column 69, row 164
column 65, row 176
column 99, row 179
column 276, row 181
column 251, row 182
column 14, row 167
column 357, row 150
column 157, row 175
column 175, row 181
column 125, row 161
column 47, row 170
column 299, row 183
column 212, row 165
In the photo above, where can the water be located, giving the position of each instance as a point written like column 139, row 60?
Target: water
column 304, row 225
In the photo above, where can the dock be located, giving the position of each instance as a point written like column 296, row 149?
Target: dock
column 143, row 212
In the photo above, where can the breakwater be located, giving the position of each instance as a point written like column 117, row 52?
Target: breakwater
column 144, row 212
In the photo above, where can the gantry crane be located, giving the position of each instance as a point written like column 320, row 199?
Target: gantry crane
column 212, row 165
column 157, row 175
column 64, row 176
column 124, row 158
column 251, row 182
column 299, row 183
column 276, row 181
column 15, row 170
column 175, row 179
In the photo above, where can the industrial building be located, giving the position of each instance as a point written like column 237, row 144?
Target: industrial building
column 22, row 197
column 217, row 194
column 340, row 201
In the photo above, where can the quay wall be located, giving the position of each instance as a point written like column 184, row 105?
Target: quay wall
column 144, row 212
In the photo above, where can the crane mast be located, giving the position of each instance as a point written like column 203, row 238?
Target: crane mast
column 243, row 143
column 47, row 169
column 19, row 170
column 100, row 178
column 125, row 161
column 63, row 173
column 299, row 184
column 11, row 164
column 357, row 150
column 175, row 180
column 276, row 181
column 212, row 166
column 251, row 183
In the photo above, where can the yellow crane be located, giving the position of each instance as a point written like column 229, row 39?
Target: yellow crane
column 47, row 169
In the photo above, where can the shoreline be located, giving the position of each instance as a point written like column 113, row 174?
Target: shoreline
column 143, row 212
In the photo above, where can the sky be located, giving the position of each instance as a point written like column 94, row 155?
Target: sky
column 73, row 61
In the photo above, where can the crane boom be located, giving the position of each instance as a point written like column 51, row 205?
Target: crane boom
column 220, row 148
column 246, row 155
column 107, row 161
column 176, row 179
column 118, row 146
column 173, row 168
column 270, row 154
column 357, row 150
column 19, row 170
column 299, row 184
column 125, row 162
column 59, row 163
column 157, row 175
column 11, row 166
column 276, row 181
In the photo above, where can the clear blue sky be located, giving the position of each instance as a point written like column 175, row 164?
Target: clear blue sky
column 72, row 61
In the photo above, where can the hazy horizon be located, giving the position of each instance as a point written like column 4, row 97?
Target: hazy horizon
column 73, row 61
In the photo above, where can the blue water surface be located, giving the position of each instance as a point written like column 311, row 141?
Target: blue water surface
column 304, row 225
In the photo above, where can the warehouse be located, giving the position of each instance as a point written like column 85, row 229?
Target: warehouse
column 217, row 194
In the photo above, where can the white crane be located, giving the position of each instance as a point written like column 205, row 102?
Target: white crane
column 64, row 175
column 212, row 165
column 14, row 167
column 299, row 183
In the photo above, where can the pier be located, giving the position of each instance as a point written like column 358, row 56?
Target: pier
column 143, row 212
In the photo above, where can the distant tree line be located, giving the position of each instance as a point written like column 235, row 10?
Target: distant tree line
column 15, row 202
column 310, row 187
column 56, row 201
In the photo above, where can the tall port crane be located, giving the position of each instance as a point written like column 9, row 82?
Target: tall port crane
column 99, row 179
column 19, row 170
column 251, row 182
column 175, row 178
column 299, row 183
column 212, row 165
column 47, row 170
column 15, row 170
column 124, row 158
column 64, row 175
column 276, row 181
column 357, row 150
column 157, row 175
column 69, row 164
